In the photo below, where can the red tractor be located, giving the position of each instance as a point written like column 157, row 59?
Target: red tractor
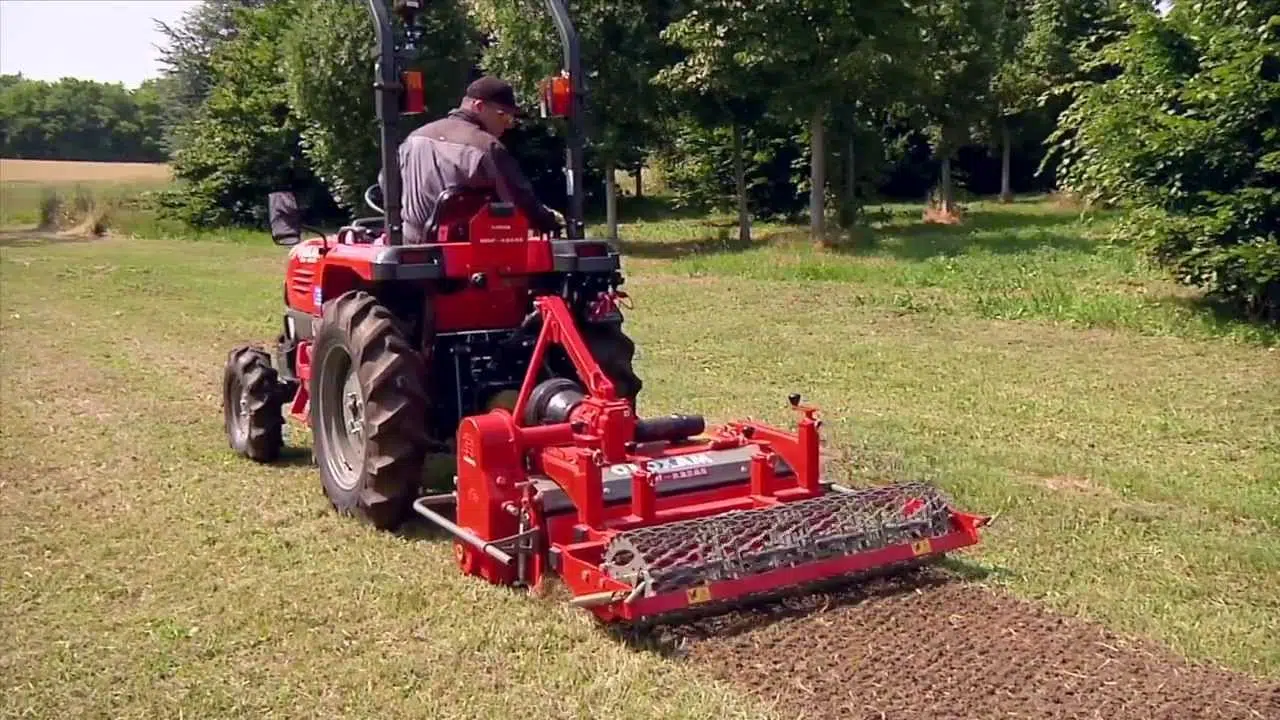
column 504, row 349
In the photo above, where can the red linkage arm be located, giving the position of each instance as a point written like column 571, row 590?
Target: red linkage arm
column 558, row 327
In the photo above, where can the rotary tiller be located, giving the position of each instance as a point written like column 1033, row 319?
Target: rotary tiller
column 644, row 518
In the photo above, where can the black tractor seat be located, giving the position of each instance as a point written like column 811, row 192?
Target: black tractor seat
column 455, row 206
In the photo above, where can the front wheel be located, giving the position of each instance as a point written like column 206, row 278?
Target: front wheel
column 368, row 410
column 251, row 404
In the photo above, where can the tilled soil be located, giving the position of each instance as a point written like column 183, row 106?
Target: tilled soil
column 929, row 646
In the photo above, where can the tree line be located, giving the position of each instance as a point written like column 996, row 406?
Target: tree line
column 805, row 110
column 778, row 108
column 74, row 119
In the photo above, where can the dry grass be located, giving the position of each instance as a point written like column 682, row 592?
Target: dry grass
column 74, row 198
column 148, row 573
column 68, row 171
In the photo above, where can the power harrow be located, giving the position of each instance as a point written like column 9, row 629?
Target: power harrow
column 643, row 518
column 504, row 347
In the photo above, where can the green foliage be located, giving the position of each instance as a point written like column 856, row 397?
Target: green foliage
column 243, row 140
column 285, row 101
column 186, row 58
column 1174, row 118
column 962, row 57
column 327, row 76
column 698, row 168
column 797, row 55
column 1045, row 43
column 1186, row 131
column 796, row 65
column 621, row 51
column 75, row 119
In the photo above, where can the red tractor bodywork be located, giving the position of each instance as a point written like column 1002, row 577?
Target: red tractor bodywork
column 478, row 272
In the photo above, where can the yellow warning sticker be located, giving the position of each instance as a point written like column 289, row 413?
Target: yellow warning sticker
column 700, row 594
column 922, row 547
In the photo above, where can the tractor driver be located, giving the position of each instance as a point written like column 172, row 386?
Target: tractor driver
column 463, row 150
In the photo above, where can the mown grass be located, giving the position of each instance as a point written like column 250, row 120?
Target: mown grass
column 1029, row 260
column 1133, row 463
column 149, row 574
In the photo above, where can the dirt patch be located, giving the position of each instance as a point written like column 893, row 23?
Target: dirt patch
column 939, row 216
column 36, row 238
column 931, row 646
column 1068, row 483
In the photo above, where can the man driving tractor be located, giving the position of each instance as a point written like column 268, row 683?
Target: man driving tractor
column 463, row 150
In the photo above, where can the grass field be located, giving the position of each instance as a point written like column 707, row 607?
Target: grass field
column 46, row 171
column 1128, row 438
column 106, row 191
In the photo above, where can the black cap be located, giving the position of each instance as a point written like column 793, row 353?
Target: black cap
column 492, row 90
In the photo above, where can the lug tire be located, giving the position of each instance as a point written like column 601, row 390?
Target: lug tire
column 387, row 438
column 615, row 352
column 251, row 405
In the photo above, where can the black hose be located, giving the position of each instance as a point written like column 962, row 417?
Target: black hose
column 671, row 427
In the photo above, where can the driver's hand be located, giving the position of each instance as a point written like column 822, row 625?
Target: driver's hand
column 558, row 216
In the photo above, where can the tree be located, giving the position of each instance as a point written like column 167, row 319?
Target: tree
column 747, row 167
column 328, row 79
column 242, row 141
column 186, row 57
column 714, row 89
column 284, row 100
column 795, row 58
column 962, row 57
column 1012, row 83
column 1042, row 44
column 1183, row 127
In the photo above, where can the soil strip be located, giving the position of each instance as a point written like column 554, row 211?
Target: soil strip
column 929, row 645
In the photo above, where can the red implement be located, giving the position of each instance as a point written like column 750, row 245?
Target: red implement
column 641, row 518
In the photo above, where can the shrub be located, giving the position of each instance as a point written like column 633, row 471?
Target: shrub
column 1185, row 131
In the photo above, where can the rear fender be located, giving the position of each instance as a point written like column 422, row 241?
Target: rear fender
column 336, row 280
column 351, row 267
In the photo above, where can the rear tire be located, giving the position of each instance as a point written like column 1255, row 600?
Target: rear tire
column 614, row 352
column 368, row 410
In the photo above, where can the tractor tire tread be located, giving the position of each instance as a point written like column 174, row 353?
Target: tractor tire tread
column 615, row 352
column 265, row 421
column 393, row 375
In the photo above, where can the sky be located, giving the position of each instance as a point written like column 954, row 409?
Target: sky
column 103, row 40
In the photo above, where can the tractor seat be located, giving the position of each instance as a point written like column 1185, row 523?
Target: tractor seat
column 454, row 207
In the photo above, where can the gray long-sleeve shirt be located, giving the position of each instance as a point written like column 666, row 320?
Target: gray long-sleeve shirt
column 456, row 151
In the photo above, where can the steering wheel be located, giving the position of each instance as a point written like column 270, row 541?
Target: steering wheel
column 368, row 197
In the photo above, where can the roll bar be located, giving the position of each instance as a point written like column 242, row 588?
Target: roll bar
column 574, row 150
column 388, row 88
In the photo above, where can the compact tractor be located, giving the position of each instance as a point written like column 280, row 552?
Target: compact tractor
column 503, row 348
